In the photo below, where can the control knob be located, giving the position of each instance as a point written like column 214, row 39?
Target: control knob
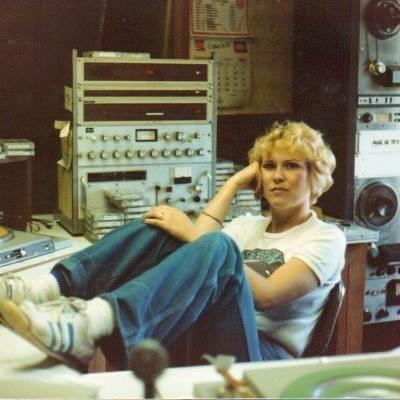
column 16, row 253
column 117, row 138
column 154, row 153
column 382, row 313
column 166, row 153
column 373, row 250
column 117, row 154
column 200, row 152
column 177, row 152
column 129, row 154
column 104, row 138
column 367, row 316
column 189, row 152
column 366, row 117
column 92, row 155
column 180, row 136
column 104, row 155
column 376, row 68
column 141, row 154
column 167, row 136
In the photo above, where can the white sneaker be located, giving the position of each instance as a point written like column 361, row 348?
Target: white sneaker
column 12, row 288
column 59, row 328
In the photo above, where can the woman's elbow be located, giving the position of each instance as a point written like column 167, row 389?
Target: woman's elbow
column 264, row 303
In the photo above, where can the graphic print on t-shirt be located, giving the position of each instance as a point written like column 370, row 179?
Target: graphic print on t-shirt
column 263, row 261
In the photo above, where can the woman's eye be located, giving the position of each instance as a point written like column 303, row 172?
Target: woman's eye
column 292, row 165
column 268, row 166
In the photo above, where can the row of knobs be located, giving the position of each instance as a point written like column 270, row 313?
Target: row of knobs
column 179, row 136
column 129, row 154
column 389, row 270
column 380, row 314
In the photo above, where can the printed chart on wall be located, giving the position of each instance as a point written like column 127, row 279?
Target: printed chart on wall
column 219, row 29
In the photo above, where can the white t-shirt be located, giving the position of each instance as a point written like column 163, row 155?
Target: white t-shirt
column 318, row 244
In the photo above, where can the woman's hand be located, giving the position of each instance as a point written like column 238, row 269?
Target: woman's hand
column 250, row 178
column 173, row 221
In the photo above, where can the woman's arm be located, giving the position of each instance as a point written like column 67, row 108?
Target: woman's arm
column 312, row 264
column 289, row 282
column 179, row 225
column 218, row 207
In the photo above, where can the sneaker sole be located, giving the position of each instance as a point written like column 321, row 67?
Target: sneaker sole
column 16, row 320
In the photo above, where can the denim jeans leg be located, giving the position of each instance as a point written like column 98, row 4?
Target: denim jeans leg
column 121, row 255
column 203, row 280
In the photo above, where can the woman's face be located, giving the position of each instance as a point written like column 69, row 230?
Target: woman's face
column 285, row 181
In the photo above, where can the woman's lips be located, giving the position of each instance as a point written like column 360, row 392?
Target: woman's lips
column 278, row 190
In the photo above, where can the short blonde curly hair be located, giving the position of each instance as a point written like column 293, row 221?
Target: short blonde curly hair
column 302, row 143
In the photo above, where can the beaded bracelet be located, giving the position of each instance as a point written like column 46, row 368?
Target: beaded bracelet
column 214, row 218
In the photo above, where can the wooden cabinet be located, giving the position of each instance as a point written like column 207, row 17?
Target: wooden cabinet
column 349, row 327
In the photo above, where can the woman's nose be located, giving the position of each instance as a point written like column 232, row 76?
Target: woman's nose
column 278, row 174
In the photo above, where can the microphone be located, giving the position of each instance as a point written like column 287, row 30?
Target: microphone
column 147, row 361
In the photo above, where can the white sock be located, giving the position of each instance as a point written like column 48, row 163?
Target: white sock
column 42, row 289
column 101, row 318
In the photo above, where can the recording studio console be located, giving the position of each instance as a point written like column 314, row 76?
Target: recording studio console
column 139, row 126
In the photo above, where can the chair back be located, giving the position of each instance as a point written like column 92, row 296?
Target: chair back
column 323, row 330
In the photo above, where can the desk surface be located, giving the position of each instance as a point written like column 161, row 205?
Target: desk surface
column 178, row 383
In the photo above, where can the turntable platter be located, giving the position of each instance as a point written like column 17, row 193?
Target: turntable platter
column 6, row 234
column 345, row 383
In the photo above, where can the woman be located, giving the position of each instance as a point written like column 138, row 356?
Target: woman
column 168, row 275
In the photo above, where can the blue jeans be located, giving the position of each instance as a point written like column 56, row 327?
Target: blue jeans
column 162, row 288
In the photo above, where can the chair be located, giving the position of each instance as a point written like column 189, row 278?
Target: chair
column 323, row 330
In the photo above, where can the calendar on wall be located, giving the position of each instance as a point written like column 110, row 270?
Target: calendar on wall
column 220, row 30
column 252, row 42
column 233, row 72
column 219, row 18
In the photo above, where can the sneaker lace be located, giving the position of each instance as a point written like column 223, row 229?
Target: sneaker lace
column 64, row 306
column 12, row 284
column 10, row 278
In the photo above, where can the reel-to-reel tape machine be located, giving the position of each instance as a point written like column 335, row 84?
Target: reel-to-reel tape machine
column 347, row 69
column 377, row 139
column 377, row 152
